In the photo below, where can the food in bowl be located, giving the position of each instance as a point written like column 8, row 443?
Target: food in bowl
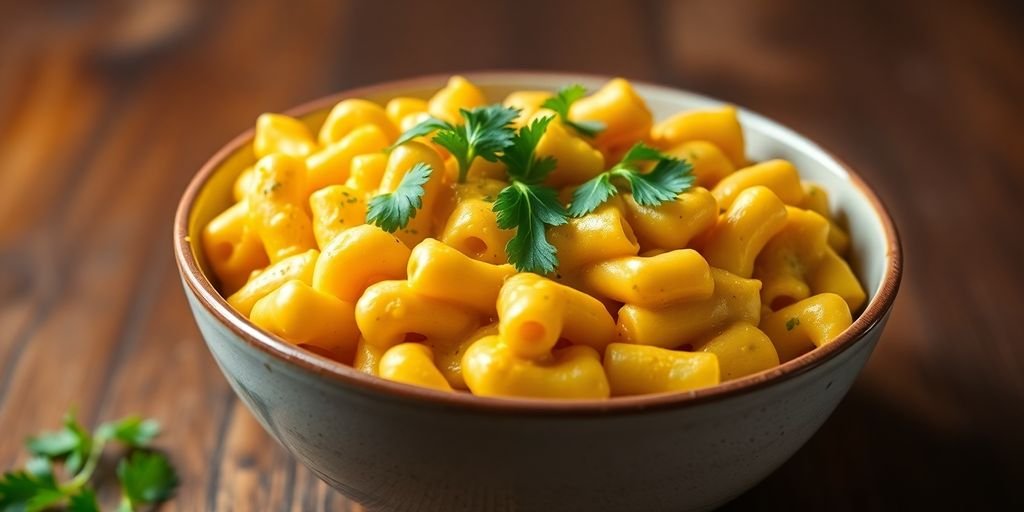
column 556, row 245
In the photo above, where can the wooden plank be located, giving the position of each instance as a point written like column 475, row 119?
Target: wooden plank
column 107, row 109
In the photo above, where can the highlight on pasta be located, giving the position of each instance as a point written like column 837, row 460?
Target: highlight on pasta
column 556, row 244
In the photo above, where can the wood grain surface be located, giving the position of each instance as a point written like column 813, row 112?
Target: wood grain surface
column 107, row 109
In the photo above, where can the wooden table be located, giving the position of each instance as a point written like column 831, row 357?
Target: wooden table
column 107, row 110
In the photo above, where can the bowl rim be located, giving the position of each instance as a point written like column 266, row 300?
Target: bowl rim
column 210, row 299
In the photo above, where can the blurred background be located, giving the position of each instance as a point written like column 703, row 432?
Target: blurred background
column 108, row 108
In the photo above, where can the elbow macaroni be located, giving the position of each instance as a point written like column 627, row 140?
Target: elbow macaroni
column 810, row 323
column 744, row 229
column 601, row 235
column 685, row 322
column 391, row 312
column 232, row 248
column 335, row 208
column 286, row 312
column 741, row 272
column 435, row 266
column 651, row 280
column 639, row 369
column 625, row 116
column 277, row 206
column 720, row 127
column 674, row 224
column 779, row 176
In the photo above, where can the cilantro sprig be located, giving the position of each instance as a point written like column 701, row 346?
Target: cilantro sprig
column 146, row 476
column 526, row 205
column 664, row 182
column 393, row 210
column 520, row 156
column 563, row 100
column 484, row 132
column 423, row 128
column 529, row 209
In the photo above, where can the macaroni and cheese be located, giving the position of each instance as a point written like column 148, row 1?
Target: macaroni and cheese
column 434, row 242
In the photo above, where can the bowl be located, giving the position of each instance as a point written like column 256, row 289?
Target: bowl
column 392, row 446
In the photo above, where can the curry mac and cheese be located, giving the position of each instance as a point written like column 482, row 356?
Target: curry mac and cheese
column 395, row 239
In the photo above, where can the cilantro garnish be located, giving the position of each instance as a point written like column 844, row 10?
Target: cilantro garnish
column 425, row 127
column 147, row 476
column 520, row 157
column 527, row 206
column 484, row 132
column 564, row 99
column 664, row 182
column 393, row 211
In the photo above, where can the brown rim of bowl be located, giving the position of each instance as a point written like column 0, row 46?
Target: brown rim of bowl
column 276, row 347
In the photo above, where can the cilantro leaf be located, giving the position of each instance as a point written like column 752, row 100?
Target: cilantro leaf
column 71, row 442
column 527, row 206
column 641, row 152
column 520, row 157
column 39, row 466
column 21, row 490
column 393, row 210
column 84, row 501
column 588, row 196
column 146, row 477
column 80, row 454
column 133, row 431
column 424, row 127
column 45, row 499
column 54, row 444
column 529, row 209
column 563, row 100
column 669, row 177
column 485, row 132
column 454, row 139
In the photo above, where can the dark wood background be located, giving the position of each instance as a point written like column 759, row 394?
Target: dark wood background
column 106, row 110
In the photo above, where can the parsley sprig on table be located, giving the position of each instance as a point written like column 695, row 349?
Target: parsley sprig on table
column 484, row 132
column 563, row 100
column 526, row 205
column 146, row 476
column 393, row 211
column 664, row 182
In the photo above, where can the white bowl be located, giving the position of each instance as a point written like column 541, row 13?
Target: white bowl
column 397, row 447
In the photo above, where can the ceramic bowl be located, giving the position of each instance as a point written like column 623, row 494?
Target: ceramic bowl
column 391, row 446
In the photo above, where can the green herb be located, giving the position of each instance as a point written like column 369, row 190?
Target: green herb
column 792, row 323
column 147, row 477
column 393, row 211
column 484, row 132
column 72, row 443
column 529, row 209
column 563, row 100
column 527, row 206
column 21, row 490
column 132, row 431
column 84, row 501
column 520, row 156
column 425, row 127
column 664, row 182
